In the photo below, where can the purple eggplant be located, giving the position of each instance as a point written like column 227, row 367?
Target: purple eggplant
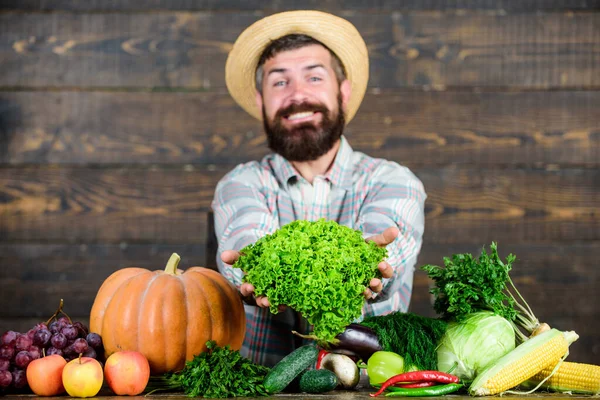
column 356, row 340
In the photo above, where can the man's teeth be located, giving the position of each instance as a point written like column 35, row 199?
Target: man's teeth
column 300, row 115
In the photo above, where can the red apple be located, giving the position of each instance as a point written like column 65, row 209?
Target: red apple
column 83, row 377
column 127, row 372
column 44, row 375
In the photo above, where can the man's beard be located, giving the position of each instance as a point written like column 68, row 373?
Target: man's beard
column 305, row 142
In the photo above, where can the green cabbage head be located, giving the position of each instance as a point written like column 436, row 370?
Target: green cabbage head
column 474, row 343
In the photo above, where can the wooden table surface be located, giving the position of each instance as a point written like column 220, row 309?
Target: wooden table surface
column 361, row 392
column 334, row 395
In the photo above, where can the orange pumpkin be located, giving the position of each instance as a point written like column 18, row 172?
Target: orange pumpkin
column 167, row 315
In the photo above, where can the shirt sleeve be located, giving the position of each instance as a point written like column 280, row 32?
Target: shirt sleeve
column 242, row 214
column 395, row 197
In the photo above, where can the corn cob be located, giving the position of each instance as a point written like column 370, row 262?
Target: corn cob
column 542, row 351
column 569, row 377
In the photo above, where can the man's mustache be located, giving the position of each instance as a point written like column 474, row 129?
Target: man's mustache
column 302, row 107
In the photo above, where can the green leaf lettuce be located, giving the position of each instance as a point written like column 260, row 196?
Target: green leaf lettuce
column 319, row 269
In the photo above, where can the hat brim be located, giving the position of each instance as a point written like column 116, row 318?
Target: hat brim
column 339, row 35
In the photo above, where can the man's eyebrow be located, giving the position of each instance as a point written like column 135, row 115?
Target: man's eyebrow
column 313, row 66
column 276, row 71
column 283, row 70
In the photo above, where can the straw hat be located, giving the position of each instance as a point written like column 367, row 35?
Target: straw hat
column 334, row 32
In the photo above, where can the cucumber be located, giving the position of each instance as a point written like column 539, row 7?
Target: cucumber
column 284, row 372
column 318, row 381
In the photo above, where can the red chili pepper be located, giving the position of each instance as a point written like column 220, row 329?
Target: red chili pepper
column 414, row 385
column 417, row 376
column 320, row 357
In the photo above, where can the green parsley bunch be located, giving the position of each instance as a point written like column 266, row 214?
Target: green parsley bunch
column 219, row 372
column 319, row 269
column 466, row 285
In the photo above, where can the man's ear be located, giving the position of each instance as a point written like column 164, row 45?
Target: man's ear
column 345, row 91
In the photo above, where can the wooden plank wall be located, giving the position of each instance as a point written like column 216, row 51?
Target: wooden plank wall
column 115, row 125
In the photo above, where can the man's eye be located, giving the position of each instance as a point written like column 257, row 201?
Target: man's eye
column 315, row 78
column 279, row 83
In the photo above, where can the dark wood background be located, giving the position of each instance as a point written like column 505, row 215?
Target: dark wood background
column 115, row 125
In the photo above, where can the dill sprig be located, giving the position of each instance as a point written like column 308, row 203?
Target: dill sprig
column 413, row 336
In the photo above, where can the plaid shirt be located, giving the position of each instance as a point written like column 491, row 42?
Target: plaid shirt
column 364, row 193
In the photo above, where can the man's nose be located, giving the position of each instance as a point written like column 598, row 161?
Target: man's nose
column 298, row 93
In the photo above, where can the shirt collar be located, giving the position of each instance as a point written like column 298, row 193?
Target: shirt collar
column 283, row 169
column 340, row 173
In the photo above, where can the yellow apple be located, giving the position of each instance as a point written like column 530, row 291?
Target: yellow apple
column 83, row 377
column 44, row 375
column 127, row 372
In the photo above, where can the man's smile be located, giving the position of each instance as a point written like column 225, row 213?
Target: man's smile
column 296, row 116
column 301, row 117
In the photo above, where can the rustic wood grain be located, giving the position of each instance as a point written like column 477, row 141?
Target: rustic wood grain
column 82, row 205
column 115, row 126
column 35, row 277
column 105, row 205
column 188, row 49
column 329, row 5
column 411, row 127
column 556, row 280
column 511, row 206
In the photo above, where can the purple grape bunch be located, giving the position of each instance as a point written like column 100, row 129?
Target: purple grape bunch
column 59, row 335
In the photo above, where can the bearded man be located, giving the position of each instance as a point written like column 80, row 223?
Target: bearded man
column 304, row 74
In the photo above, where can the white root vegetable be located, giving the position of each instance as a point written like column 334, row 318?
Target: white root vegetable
column 543, row 327
column 344, row 368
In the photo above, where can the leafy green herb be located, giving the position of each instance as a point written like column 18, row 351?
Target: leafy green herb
column 319, row 269
column 467, row 285
column 414, row 337
column 218, row 372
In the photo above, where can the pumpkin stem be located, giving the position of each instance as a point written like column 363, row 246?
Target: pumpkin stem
column 172, row 264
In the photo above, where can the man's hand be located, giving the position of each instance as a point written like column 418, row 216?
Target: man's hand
column 381, row 240
column 246, row 289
